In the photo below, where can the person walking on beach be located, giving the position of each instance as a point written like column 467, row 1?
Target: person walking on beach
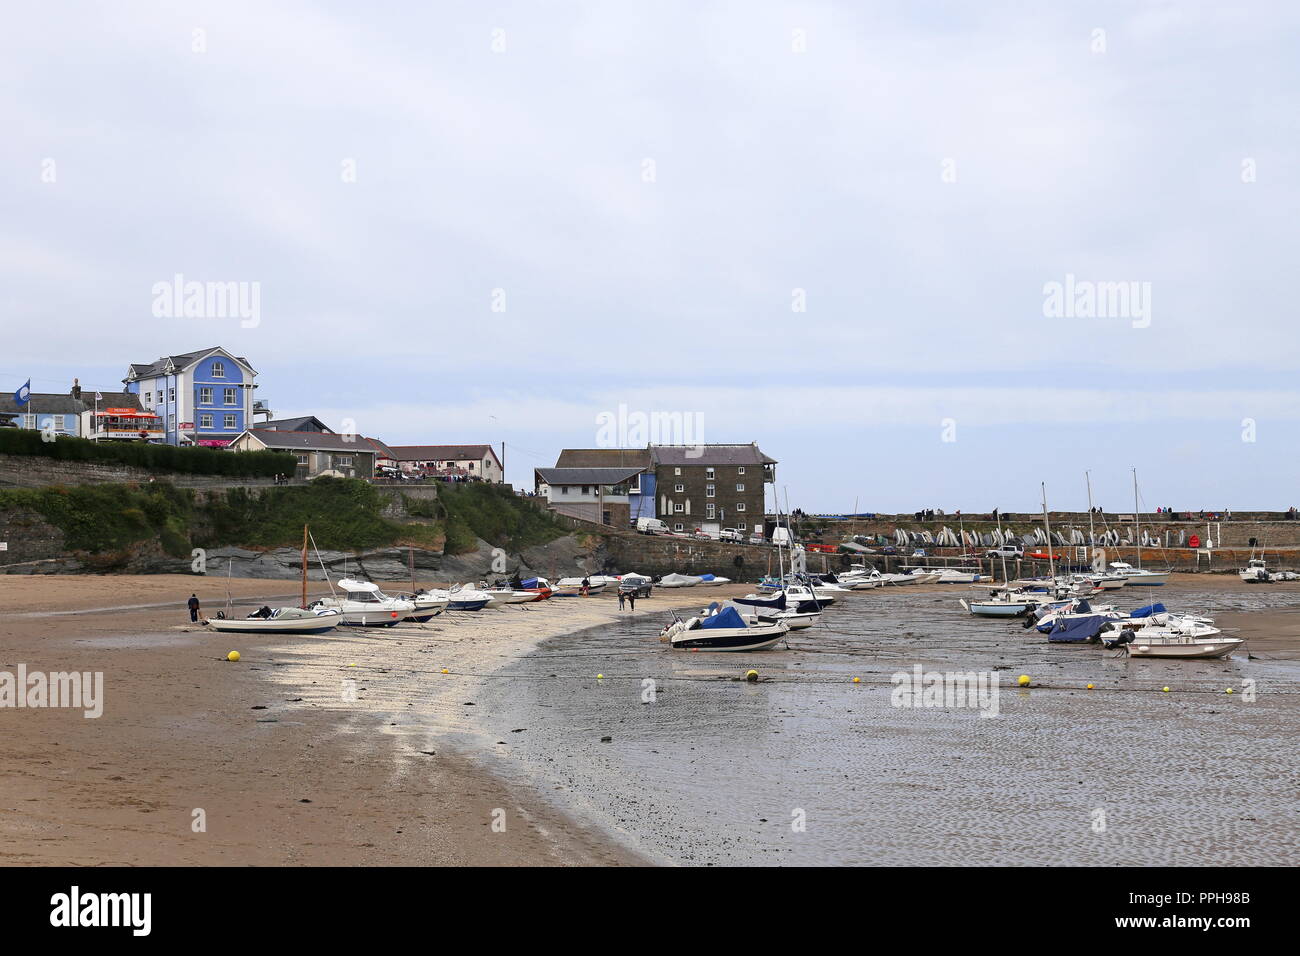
column 586, row 587
column 194, row 608
column 622, row 598
column 631, row 600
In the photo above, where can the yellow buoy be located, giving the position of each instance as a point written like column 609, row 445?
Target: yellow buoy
column 857, row 680
column 1228, row 691
column 445, row 671
column 1164, row 689
column 1023, row 680
column 751, row 676
column 233, row 656
column 1089, row 687
column 600, row 677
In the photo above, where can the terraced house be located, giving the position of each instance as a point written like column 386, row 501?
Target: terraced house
column 201, row 398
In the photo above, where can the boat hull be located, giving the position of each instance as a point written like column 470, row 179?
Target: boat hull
column 318, row 625
column 1189, row 650
column 760, row 637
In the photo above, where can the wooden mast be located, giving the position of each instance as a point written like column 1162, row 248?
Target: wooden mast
column 304, row 566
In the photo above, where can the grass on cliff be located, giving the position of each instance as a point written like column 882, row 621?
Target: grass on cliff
column 344, row 515
column 491, row 512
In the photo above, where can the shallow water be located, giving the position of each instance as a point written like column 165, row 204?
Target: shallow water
column 714, row 770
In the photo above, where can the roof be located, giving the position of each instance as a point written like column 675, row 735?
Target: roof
column 442, row 452
column 295, row 424
column 383, row 450
column 44, row 403
column 604, row 458
column 586, row 476
column 710, row 455
column 182, row 361
column 311, row 441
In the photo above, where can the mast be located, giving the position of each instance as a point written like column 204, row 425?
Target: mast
column 1137, row 520
column 1088, row 478
column 1047, row 523
column 1006, row 581
column 304, row 566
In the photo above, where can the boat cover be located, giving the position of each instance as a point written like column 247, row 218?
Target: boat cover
column 727, row 617
column 1149, row 610
column 1076, row 630
column 776, row 603
column 706, row 577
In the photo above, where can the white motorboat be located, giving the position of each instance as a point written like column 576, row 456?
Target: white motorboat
column 451, row 599
column 1138, row 576
column 953, row 575
column 726, row 630
column 1005, row 603
column 506, row 595
column 280, row 620
column 679, row 581
column 1255, row 572
column 1184, row 637
column 364, row 605
column 712, row 580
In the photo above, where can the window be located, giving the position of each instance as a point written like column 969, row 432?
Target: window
column 678, row 526
column 148, row 397
column 486, row 465
column 708, row 472
column 302, row 459
column 740, row 486
column 635, row 488
column 230, row 396
column 678, row 508
column 205, row 396
column 343, row 460
column 29, row 421
column 676, row 471
column 740, row 506
column 229, row 421
column 709, row 511
column 679, row 487
column 205, row 421
column 171, row 394
column 218, row 369
column 586, row 489
column 708, row 491
column 740, row 470
column 171, row 423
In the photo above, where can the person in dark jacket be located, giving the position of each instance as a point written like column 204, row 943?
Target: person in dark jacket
column 194, row 607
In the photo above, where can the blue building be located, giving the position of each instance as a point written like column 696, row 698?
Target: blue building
column 202, row 398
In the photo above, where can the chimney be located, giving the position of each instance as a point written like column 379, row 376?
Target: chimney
column 76, row 389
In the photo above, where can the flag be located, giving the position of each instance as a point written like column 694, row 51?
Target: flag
column 24, row 393
column 99, row 397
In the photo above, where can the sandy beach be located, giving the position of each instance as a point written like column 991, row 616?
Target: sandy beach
column 352, row 747
column 310, row 750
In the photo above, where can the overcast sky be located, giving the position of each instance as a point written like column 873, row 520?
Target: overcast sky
column 495, row 221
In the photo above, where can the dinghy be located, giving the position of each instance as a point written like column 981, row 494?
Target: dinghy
column 280, row 620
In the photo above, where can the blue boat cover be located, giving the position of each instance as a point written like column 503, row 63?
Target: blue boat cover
column 727, row 617
column 1149, row 610
column 1076, row 630
column 1083, row 608
column 706, row 577
column 528, row 583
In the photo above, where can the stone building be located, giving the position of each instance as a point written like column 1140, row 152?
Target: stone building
column 712, row 487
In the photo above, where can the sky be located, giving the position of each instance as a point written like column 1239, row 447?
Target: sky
column 830, row 228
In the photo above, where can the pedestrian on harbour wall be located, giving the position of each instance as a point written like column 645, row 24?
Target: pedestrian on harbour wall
column 193, row 604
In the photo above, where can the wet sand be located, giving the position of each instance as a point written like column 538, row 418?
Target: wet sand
column 331, row 749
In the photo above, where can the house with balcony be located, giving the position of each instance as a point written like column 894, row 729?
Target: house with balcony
column 100, row 416
column 592, row 494
column 346, row 456
column 201, row 398
column 640, row 487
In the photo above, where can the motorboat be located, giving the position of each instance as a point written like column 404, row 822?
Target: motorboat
column 280, row 620
column 504, row 594
column 712, row 580
column 1139, row 576
column 725, row 630
column 954, row 575
column 781, row 602
column 794, row 620
column 1255, row 572
column 1003, row 603
column 679, row 581
column 1180, row 637
column 1048, row 616
column 364, row 605
column 456, row 598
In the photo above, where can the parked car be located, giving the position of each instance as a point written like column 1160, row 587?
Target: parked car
column 729, row 534
column 651, row 526
column 757, row 539
column 1005, row 551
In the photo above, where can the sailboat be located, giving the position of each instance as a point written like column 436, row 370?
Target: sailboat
column 278, row 620
column 1138, row 575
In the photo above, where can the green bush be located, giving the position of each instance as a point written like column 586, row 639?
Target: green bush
column 495, row 514
column 190, row 461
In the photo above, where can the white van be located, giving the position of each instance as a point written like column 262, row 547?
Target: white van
column 650, row 526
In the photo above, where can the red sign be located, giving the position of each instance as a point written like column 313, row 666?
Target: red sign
column 214, row 442
column 1194, row 541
